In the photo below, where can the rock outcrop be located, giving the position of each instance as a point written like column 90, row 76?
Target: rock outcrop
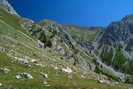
column 115, row 48
column 7, row 7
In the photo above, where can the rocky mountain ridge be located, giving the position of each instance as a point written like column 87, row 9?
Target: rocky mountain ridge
column 6, row 5
column 87, row 55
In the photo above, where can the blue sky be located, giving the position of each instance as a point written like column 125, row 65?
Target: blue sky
column 79, row 12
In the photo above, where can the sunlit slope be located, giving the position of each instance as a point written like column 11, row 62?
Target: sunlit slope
column 13, row 37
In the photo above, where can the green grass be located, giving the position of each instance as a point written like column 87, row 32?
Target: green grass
column 107, row 56
column 11, row 20
column 81, row 35
column 15, row 38
column 57, row 79
column 118, row 62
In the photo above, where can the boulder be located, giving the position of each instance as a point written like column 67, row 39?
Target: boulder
column 45, row 82
column 24, row 75
column 82, row 76
column 56, row 68
column 44, row 75
column 0, row 84
column 33, row 61
column 104, row 81
column 22, row 60
column 2, row 49
column 40, row 44
column 18, row 76
column 4, row 70
column 67, row 70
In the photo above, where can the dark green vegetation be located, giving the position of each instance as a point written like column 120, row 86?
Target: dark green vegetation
column 118, row 61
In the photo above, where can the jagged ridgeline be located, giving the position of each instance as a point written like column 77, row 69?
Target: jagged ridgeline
column 115, row 46
column 48, row 55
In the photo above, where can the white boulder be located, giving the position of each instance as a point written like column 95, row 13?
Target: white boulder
column 56, row 68
column 0, row 84
column 67, row 70
column 44, row 75
column 4, row 70
column 104, row 81
column 22, row 60
column 24, row 75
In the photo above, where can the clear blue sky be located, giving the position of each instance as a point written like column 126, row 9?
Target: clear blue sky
column 79, row 12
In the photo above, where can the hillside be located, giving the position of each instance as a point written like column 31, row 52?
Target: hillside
column 48, row 55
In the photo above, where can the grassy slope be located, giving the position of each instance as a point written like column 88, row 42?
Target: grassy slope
column 84, row 36
column 20, row 44
column 57, row 79
column 13, row 36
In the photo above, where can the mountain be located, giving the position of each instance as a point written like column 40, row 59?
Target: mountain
column 115, row 46
column 6, row 6
column 49, row 55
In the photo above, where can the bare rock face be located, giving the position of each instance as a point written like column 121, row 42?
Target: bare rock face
column 115, row 48
column 7, row 7
column 119, row 34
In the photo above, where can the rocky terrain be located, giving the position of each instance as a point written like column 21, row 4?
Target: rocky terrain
column 48, row 55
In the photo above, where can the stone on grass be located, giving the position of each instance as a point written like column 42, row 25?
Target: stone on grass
column 22, row 60
column 24, row 75
column 40, row 44
column 33, row 61
column 45, row 82
column 104, row 81
column 82, row 76
column 4, row 70
column 56, row 68
column 47, row 85
column 30, row 66
column 0, row 84
column 18, row 76
column 44, row 75
column 67, row 70
column 2, row 49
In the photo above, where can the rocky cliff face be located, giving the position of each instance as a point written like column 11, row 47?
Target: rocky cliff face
column 119, row 32
column 116, row 45
column 56, row 37
column 5, row 5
